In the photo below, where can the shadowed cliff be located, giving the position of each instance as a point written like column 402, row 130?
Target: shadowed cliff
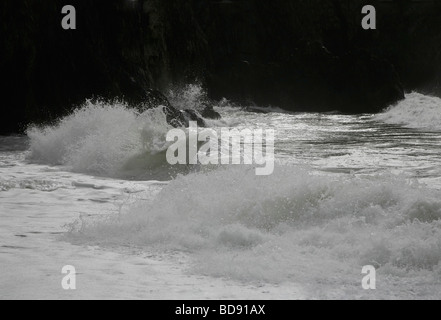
column 299, row 55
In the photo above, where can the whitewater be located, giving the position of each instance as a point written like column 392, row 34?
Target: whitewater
column 94, row 191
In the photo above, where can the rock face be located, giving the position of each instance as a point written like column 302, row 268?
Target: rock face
column 176, row 118
column 194, row 116
column 353, row 82
column 316, row 80
column 365, row 83
column 299, row 55
column 210, row 113
column 155, row 99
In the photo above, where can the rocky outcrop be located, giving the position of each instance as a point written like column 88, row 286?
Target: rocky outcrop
column 193, row 116
column 176, row 118
column 210, row 113
column 156, row 99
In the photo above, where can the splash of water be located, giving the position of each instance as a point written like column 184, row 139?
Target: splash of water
column 103, row 139
column 191, row 96
column 416, row 111
column 293, row 225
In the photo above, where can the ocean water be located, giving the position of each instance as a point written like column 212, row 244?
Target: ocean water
column 347, row 191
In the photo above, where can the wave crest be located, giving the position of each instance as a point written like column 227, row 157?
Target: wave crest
column 103, row 139
column 291, row 225
column 416, row 111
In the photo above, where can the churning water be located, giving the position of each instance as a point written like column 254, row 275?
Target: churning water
column 347, row 191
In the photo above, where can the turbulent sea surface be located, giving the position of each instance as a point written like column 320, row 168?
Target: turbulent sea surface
column 95, row 191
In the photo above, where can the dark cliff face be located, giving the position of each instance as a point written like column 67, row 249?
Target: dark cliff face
column 314, row 55
column 46, row 70
column 310, row 55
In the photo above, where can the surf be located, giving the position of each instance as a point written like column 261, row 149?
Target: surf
column 295, row 225
column 104, row 139
column 417, row 111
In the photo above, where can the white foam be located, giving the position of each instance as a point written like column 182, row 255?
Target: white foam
column 293, row 225
column 103, row 139
column 416, row 111
column 31, row 184
column 190, row 96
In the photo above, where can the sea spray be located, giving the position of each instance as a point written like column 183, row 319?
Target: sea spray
column 417, row 111
column 114, row 140
column 190, row 96
column 103, row 139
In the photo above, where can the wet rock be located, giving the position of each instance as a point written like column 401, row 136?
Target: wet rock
column 175, row 117
column 155, row 99
column 210, row 113
column 193, row 115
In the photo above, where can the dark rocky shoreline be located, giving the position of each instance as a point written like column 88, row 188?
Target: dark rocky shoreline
column 298, row 55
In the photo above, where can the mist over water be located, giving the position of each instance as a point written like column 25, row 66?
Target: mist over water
column 347, row 191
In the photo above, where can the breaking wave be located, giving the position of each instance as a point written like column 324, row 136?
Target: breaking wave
column 113, row 140
column 416, row 111
column 294, row 225
column 106, row 139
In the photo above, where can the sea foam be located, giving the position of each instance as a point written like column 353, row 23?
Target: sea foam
column 294, row 225
column 417, row 111
column 103, row 139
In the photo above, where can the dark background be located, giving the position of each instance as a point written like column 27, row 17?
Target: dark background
column 299, row 55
